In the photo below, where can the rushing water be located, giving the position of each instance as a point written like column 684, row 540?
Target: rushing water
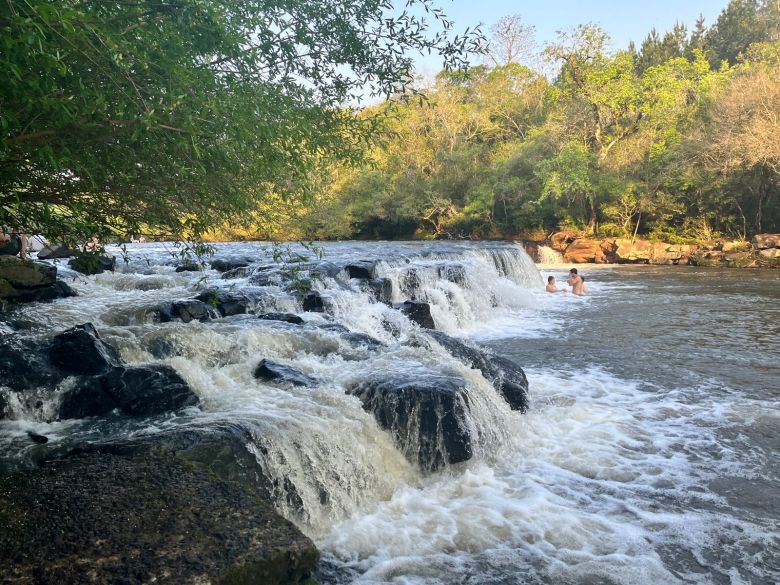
column 649, row 453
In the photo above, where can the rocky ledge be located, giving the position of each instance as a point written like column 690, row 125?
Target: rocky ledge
column 762, row 252
column 26, row 281
column 155, row 518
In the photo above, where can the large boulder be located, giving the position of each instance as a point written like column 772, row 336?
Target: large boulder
column 425, row 412
column 27, row 281
column 80, row 350
column 154, row 518
column 418, row 312
column 312, row 302
column 381, row 289
column 766, row 241
column 507, row 377
column 271, row 371
column 632, row 251
column 132, row 390
column 24, row 364
column 559, row 241
column 584, row 250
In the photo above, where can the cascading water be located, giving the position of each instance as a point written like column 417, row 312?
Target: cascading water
column 648, row 454
column 549, row 256
column 326, row 456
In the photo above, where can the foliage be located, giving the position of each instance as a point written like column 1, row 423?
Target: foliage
column 172, row 117
column 675, row 141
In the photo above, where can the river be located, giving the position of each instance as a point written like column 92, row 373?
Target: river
column 649, row 453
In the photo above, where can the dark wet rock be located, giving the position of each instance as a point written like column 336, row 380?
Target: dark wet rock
column 507, row 377
column 64, row 290
column 51, row 252
column 24, row 364
column 274, row 372
column 227, row 303
column 90, row 264
column 362, row 340
column 189, row 310
column 189, row 267
column 361, row 269
column 104, row 518
column 286, row 317
column 241, row 272
column 418, row 312
column 426, row 413
column 455, row 273
column 79, row 350
column 410, row 283
column 225, row 264
column 36, row 438
column 381, row 289
column 329, row 269
column 133, row 391
column 312, row 302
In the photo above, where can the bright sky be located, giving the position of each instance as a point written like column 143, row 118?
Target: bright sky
column 624, row 20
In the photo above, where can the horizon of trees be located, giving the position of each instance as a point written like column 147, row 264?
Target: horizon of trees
column 675, row 140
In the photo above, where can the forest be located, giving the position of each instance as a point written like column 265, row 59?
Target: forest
column 233, row 119
column 675, row 140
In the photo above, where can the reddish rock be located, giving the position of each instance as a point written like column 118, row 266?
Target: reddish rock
column 585, row 250
column 766, row 241
column 636, row 252
column 560, row 241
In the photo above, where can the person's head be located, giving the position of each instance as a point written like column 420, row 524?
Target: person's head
column 573, row 271
column 550, row 280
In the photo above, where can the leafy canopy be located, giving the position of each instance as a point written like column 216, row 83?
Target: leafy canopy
column 171, row 116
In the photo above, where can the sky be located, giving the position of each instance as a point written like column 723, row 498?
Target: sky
column 625, row 21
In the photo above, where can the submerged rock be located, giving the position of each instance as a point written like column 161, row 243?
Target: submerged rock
column 79, row 350
column 227, row 303
column 103, row 518
column 286, row 317
column 381, row 289
column 426, row 413
column 225, row 264
column 312, row 302
column 507, row 378
column 132, row 390
column 276, row 372
column 418, row 312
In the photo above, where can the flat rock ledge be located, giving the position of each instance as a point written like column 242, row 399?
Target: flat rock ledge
column 103, row 518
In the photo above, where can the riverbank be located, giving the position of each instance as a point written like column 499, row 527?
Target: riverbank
column 763, row 251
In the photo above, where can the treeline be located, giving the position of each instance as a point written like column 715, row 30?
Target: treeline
column 677, row 140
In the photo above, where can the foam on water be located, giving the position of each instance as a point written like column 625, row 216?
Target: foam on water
column 607, row 479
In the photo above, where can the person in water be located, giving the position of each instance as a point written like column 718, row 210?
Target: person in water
column 552, row 288
column 576, row 282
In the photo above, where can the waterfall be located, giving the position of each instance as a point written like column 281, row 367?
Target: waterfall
column 549, row 256
column 325, row 455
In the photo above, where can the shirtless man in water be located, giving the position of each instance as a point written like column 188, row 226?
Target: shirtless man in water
column 577, row 282
column 551, row 287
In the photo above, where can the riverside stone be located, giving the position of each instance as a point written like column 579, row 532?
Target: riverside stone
column 99, row 518
column 361, row 269
column 285, row 317
column 26, row 274
column 584, row 250
column 766, row 241
column 425, row 412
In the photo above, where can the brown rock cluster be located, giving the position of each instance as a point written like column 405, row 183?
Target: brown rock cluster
column 762, row 252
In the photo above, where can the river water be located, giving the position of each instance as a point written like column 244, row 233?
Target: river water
column 649, row 453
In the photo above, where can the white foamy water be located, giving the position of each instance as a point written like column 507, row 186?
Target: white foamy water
column 634, row 465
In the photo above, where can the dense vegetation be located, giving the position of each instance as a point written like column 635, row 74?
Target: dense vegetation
column 229, row 119
column 676, row 140
column 170, row 116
